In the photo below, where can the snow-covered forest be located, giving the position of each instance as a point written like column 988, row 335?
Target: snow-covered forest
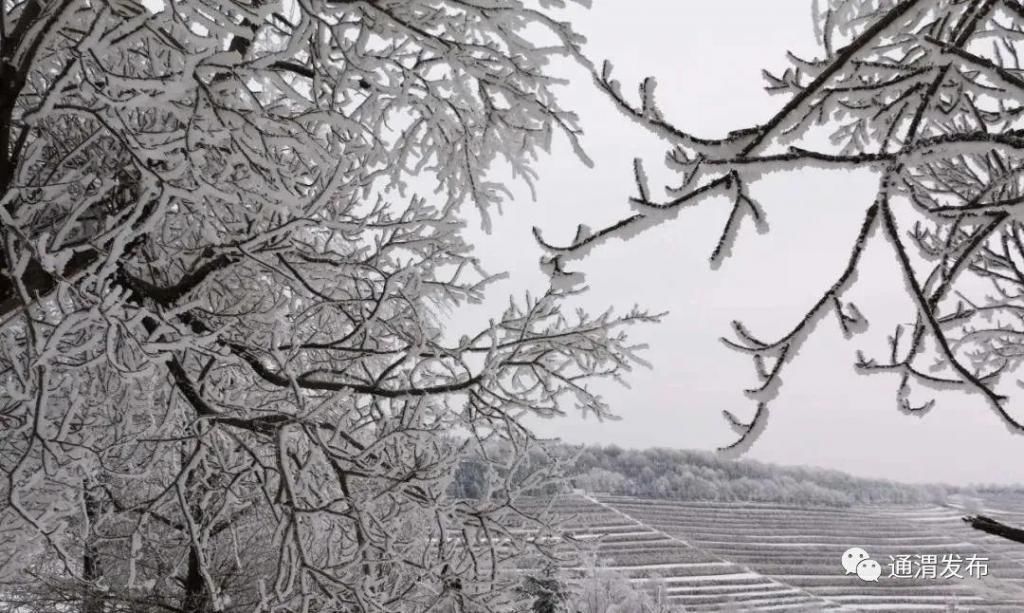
column 691, row 475
column 233, row 234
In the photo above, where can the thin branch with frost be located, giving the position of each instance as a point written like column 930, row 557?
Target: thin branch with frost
column 909, row 95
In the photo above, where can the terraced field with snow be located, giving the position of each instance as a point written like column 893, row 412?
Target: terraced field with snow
column 762, row 557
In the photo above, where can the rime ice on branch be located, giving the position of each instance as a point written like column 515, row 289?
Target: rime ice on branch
column 927, row 93
column 228, row 232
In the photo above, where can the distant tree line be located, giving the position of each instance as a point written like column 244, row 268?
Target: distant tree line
column 703, row 476
column 694, row 475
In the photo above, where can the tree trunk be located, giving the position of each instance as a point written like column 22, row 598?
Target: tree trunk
column 92, row 600
column 197, row 598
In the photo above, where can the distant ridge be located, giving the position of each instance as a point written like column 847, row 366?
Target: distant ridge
column 698, row 475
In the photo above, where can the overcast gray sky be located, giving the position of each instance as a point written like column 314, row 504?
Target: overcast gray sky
column 708, row 58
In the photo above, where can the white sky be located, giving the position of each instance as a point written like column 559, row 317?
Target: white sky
column 708, row 58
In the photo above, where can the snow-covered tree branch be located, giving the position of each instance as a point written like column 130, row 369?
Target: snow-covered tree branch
column 231, row 236
column 925, row 94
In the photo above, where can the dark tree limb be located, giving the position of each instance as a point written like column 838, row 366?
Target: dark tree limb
column 991, row 526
